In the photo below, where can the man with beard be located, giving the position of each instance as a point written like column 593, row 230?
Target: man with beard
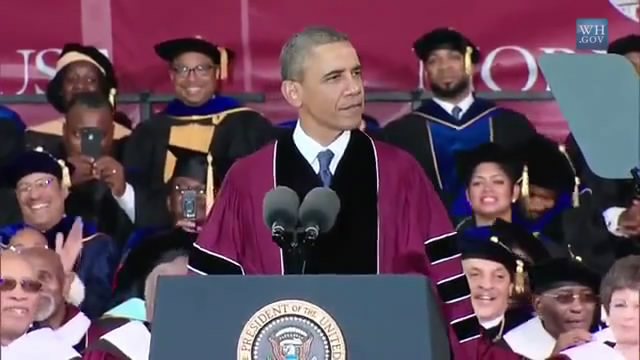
column 454, row 120
column 66, row 320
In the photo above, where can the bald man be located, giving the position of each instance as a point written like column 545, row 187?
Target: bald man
column 19, row 300
column 67, row 321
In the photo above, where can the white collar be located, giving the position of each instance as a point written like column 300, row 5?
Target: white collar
column 36, row 345
column 465, row 104
column 309, row 148
column 71, row 332
column 132, row 339
column 531, row 340
column 492, row 323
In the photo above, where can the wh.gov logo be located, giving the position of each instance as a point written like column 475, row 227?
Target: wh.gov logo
column 592, row 34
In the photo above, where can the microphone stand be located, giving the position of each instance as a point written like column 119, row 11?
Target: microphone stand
column 296, row 246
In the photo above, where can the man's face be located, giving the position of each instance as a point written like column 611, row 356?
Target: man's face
column 179, row 186
column 490, row 285
column 331, row 90
column 566, row 308
column 81, row 117
column 50, row 273
column 41, row 199
column 80, row 76
column 194, row 78
column 445, row 71
column 176, row 267
column 634, row 57
column 19, row 295
column 539, row 201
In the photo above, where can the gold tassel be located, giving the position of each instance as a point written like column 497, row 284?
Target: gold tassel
column 573, row 256
column 66, row 178
column 467, row 61
column 525, row 182
column 112, row 97
column 519, row 280
column 224, row 63
column 210, row 190
column 575, row 196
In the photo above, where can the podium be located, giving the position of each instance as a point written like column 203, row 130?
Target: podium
column 332, row 317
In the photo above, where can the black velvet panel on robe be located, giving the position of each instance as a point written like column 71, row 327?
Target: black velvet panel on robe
column 351, row 247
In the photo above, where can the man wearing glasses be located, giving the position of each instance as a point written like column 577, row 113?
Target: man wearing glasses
column 565, row 300
column 19, row 301
column 198, row 119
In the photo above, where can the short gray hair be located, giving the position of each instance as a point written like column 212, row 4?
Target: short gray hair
column 624, row 274
column 294, row 52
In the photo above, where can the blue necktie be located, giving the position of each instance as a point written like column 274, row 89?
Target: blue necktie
column 324, row 158
column 456, row 112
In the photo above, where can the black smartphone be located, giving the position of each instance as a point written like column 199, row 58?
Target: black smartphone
column 189, row 205
column 91, row 142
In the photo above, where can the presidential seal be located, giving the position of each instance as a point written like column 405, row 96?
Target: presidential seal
column 291, row 330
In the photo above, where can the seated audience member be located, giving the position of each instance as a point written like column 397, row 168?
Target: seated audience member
column 629, row 47
column 490, row 176
column 11, row 144
column 565, row 301
column 162, row 254
column 66, row 320
column 38, row 180
column 78, row 69
column 190, row 195
column 99, row 191
column 620, row 293
column 20, row 337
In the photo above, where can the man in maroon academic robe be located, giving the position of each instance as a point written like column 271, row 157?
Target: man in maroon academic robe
column 389, row 212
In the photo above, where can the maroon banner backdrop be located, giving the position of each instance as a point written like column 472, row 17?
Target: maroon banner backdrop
column 510, row 34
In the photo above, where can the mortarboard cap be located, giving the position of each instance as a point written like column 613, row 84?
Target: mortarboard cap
column 560, row 272
column 195, row 165
column 447, row 38
column 467, row 161
column 38, row 161
column 625, row 45
column 73, row 53
column 152, row 251
column 171, row 49
column 549, row 166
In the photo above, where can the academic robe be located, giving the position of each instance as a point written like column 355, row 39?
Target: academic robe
column 95, row 265
column 531, row 340
column 433, row 136
column 386, row 223
column 73, row 331
column 221, row 126
column 593, row 350
column 38, row 344
column 493, row 345
column 123, row 340
column 11, row 144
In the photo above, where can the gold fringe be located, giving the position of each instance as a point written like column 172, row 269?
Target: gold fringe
column 525, row 182
column 210, row 189
column 467, row 60
column 66, row 177
column 573, row 256
column 112, row 97
column 224, row 63
column 519, row 280
column 575, row 196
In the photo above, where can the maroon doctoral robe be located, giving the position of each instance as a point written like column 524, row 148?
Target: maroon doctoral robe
column 389, row 216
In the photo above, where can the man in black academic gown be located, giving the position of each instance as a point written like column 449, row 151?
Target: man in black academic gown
column 11, row 145
column 99, row 191
column 78, row 69
column 198, row 119
column 614, row 199
column 39, row 187
column 454, row 120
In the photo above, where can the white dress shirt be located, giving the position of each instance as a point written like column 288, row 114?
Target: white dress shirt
column 38, row 345
column 310, row 148
column 464, row 105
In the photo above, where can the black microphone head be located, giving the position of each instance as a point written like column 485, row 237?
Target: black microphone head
column 320, row 208
column 280, row 206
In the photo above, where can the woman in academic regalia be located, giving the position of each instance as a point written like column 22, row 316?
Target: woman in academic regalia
column 491, row 176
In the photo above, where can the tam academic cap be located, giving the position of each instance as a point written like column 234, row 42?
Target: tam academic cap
column 467, row 161
column 549, row 166
column 195, row 165
column 72, row 53
column 171, row 49
column 447, row 38
column 561, row 272
column 38, row 161
column 625, row 45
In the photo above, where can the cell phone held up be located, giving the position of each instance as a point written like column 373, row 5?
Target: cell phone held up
column 91, row 142
column 189, row 205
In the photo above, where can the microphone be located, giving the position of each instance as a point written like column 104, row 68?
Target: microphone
column 318, row 212
column 280, row 210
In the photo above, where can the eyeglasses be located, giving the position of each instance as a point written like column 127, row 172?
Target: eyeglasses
column 569, row 298
column 28, row 285
column 39, row 184
column 182, row 189
column 199, row 70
